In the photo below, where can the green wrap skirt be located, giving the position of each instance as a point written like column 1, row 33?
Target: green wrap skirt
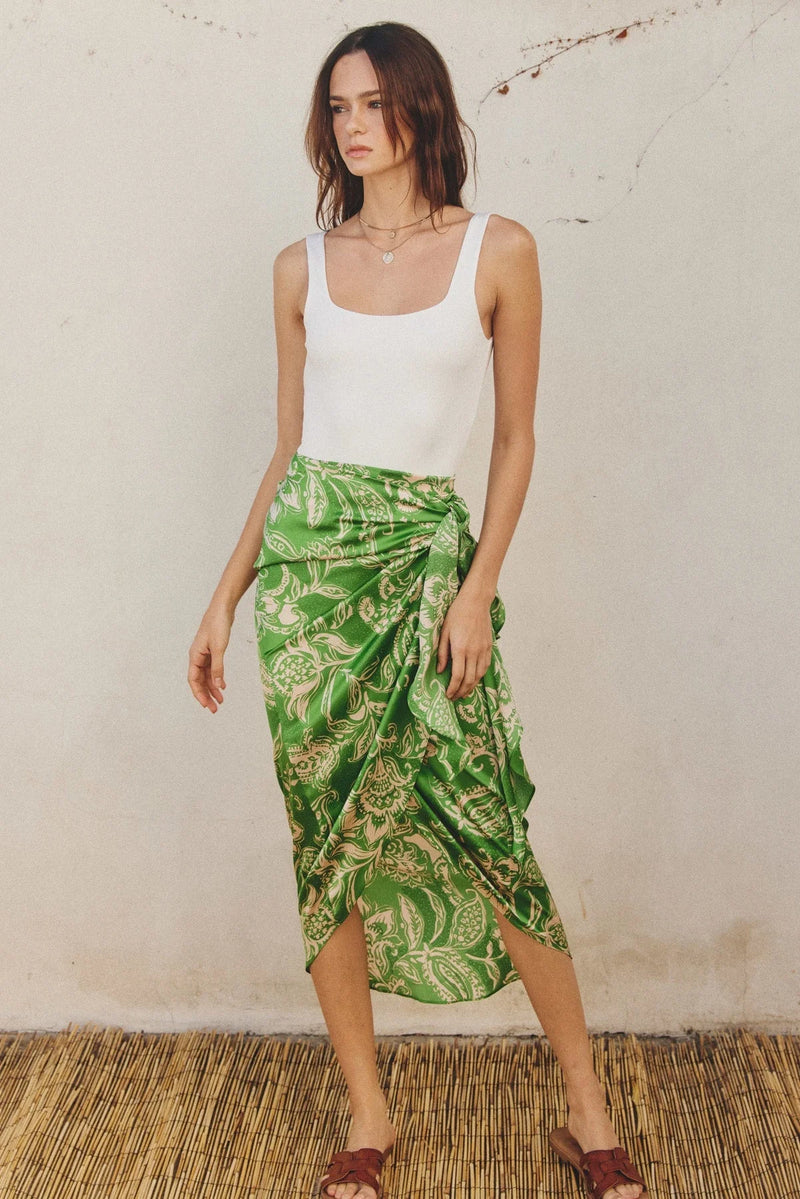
column 400, row 800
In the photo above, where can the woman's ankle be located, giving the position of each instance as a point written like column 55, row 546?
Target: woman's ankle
column 370, row 1106
column 585, row 1094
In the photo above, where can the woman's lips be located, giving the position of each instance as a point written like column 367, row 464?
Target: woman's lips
column 358, row 151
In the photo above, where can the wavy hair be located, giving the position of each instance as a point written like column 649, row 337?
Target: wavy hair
column 415, row 84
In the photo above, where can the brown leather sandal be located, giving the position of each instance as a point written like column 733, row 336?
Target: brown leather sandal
column 601, row 1168
column 355, row 1165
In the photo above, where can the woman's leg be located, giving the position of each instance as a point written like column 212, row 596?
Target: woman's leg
column 549, row 978
column 339, row 974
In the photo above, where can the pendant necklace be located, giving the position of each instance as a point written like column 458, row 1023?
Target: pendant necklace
column 388, row 255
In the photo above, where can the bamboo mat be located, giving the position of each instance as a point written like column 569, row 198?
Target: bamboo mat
column 101, row 1113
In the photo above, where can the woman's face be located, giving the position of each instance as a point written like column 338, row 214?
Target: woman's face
column 357, row 112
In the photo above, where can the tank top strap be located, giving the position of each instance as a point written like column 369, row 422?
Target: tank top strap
column 463, row 283
column 315, row 254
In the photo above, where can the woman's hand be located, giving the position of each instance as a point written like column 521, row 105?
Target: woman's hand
column 467, row 636
column 206, row 671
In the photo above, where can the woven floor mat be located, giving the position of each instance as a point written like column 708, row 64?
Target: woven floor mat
column 101, row 1113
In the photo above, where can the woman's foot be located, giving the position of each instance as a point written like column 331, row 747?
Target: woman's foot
column 589, row 1124
column 374, row 1130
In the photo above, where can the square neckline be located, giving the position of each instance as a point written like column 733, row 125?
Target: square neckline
column 383, row 316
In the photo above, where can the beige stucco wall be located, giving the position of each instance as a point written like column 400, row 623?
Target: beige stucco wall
column 153, row 168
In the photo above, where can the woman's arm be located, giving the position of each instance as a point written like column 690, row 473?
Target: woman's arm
column 516, row 328
column 206, row 668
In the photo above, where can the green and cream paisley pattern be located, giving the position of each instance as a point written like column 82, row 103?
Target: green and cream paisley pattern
column 399, row 799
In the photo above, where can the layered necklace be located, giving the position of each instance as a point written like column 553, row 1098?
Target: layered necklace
column 388, row 255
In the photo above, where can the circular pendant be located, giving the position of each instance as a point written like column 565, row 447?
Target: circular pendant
column 388, row 256
column 393, row 233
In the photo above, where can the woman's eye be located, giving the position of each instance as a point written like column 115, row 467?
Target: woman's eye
column 340, row 107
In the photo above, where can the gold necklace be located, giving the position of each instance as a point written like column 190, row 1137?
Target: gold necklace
column 392, row 230
column 388, row 255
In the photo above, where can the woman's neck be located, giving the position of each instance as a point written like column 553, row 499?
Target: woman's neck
column 388, row 204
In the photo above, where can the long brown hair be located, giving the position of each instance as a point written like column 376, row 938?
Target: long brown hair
column 414, row 82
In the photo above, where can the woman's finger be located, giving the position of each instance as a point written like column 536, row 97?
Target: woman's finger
column 198, row 679
column 442, row 649
column 457, row 673
column 469, row 680
column 217, row 669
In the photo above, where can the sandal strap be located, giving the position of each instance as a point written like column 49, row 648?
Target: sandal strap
column 606, row 1168
column 355, row 1165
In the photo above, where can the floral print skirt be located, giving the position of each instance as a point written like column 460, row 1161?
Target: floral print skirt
column 400, row 800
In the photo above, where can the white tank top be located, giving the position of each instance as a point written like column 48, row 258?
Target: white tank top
column 399, row 391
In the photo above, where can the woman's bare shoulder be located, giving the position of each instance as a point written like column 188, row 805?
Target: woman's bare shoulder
column 507, row 237
column 511, row 257
column 290, row 275
column 291, row 258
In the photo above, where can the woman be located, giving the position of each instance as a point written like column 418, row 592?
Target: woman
column 395, row 736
